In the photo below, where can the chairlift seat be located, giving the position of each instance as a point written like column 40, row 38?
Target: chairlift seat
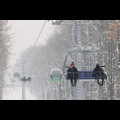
column 87, row 75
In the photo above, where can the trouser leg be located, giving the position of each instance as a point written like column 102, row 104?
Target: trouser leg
column 97, row 77
column 101, row 84
column 75, row 82
column 72, row 82
column 102, row 80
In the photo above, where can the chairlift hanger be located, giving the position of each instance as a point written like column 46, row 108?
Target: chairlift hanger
column 90, row 49
column 84, row 75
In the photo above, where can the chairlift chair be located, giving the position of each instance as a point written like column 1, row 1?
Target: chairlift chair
column 85, row 74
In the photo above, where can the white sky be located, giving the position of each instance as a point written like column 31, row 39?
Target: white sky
column 26, row 33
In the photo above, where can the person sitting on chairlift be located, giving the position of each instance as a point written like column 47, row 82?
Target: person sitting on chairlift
column 72, row 74
column 29, row 79
column 98, row 72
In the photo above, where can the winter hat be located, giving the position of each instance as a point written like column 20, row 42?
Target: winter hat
column 73, row 66
column 97, row 65
column 72, row 63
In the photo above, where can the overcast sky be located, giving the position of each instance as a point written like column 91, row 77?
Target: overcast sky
column 26, row 33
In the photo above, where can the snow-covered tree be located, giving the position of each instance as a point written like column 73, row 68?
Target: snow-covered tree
column 4, row 50
column 112, row 34
column 103, row 34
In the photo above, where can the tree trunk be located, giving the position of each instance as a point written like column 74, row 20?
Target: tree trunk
column 111, row 82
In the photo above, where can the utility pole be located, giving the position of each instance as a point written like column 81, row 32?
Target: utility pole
column 23, row 62
column 23, row 83
column 77, row 41
column 79, row 89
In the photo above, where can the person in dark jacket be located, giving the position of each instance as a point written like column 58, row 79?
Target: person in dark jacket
column 72, row 74
column 98, row 72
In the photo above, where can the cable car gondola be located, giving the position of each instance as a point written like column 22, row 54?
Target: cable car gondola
column 17, row 75
column 56, row 75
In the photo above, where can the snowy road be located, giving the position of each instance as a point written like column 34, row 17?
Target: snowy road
column 11, row 93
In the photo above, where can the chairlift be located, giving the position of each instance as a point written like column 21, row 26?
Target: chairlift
column 85, row 74
column 28, row 79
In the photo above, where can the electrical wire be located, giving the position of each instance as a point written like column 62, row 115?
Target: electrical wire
column 37, row 38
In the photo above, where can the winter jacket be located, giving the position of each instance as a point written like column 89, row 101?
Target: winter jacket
column 72, row 73
column 98, row 71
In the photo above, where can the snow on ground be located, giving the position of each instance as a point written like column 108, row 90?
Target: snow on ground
column 11, row 93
